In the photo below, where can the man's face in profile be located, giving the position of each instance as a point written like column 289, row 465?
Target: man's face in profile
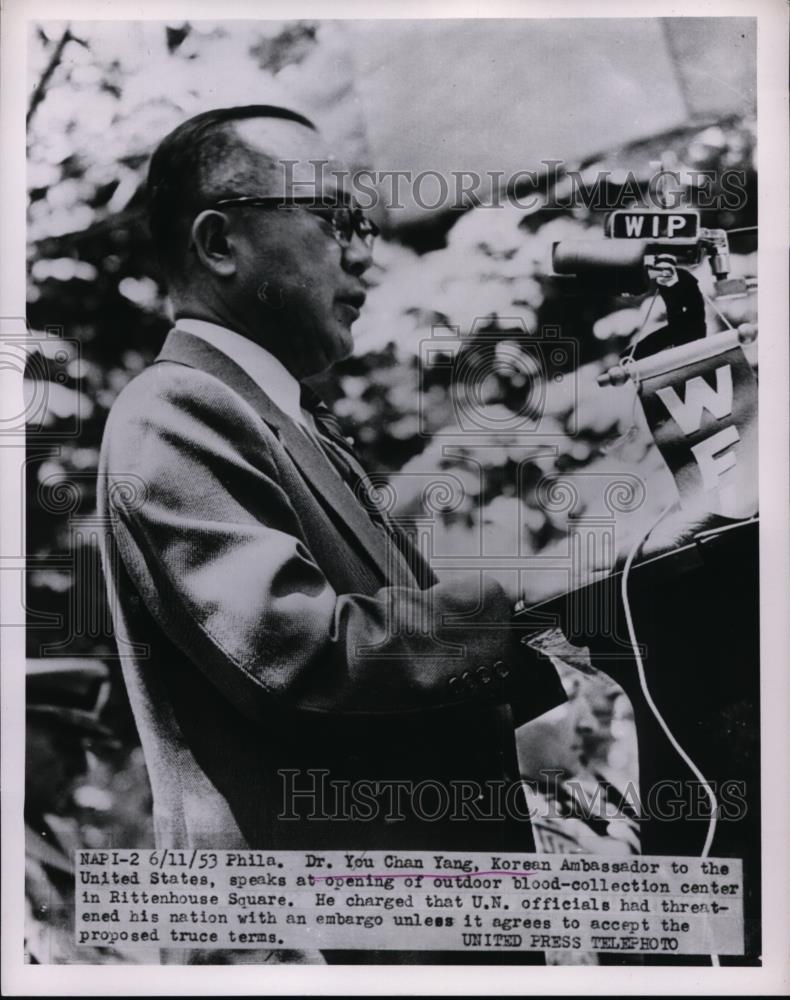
column 292, row 270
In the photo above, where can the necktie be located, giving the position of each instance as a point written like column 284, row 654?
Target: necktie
column 339, row 452
column 341, row 455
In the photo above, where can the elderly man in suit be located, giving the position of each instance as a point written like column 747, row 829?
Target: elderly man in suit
column 295, row 668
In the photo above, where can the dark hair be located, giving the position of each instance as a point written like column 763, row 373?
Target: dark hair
column 182, row 163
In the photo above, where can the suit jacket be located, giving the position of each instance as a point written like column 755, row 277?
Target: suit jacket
column 276, row 641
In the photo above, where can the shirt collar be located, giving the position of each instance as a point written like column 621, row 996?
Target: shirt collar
column 264, row 369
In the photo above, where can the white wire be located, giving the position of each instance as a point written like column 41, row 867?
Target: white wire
column 637, row 339
column 714, row 805
column 718, row 312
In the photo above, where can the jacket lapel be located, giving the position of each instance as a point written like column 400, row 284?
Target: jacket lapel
column 186, row 349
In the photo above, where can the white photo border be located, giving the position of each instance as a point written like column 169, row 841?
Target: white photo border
column 773, row 163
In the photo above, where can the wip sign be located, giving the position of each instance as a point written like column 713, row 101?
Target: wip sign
column 641, row 225
column 700, row 401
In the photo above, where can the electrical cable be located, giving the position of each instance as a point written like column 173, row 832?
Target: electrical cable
column 629, row 354
column 718, row 311
column 632, row 554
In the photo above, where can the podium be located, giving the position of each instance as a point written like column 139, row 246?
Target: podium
column 696, row 614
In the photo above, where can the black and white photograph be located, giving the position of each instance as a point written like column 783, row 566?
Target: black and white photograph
column 394, row 523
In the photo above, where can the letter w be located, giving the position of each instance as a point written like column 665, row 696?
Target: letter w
column 633, row 225
column 699, row 397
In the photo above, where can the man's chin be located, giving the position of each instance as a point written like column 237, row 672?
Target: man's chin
column 340, row 348
column 343, row 342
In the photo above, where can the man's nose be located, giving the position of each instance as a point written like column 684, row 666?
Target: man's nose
column 357, row 256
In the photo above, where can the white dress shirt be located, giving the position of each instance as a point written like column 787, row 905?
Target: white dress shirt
column 264, row 369
column 268, row 373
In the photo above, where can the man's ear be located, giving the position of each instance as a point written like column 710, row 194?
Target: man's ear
column 210, row 238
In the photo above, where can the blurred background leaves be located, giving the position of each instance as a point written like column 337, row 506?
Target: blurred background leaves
column 102, row 95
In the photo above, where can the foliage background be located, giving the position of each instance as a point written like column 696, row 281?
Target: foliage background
column 98, row 106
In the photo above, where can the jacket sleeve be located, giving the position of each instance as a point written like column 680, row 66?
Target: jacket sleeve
column 218, row 555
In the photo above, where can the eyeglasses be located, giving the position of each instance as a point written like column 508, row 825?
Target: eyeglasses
column 345, row 220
